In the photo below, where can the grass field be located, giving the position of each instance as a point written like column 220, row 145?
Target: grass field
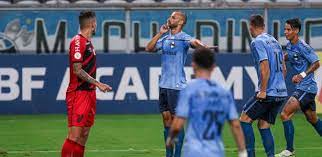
column 125, row 136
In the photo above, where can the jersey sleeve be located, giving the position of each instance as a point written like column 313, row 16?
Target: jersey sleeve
column 187, row 39
column 183, row 104
column 77, row 49
column 309, row 53
column 231, row 111
column 258, row 48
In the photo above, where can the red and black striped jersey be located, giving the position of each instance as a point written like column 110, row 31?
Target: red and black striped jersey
column 81, row 50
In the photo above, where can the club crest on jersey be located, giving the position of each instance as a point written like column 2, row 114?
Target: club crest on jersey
column 77, row 55
column 172, row 44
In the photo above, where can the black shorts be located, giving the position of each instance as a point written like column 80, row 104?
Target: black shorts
column 306, row 99
column 168, row 100
column 266, row 109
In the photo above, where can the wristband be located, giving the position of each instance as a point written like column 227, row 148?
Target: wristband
column 303, row 74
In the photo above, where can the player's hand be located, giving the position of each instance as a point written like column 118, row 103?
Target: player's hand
column 297, row 78
column 169, row 143
column 104, row 87
column 164, row 28
column 261, row 95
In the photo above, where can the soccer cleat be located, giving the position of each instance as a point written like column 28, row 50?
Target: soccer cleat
column 285, row 153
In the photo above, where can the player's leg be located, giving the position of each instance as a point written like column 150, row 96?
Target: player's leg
column 315, row 121
column 251, row 111
column 291, row 106
column 166, row 117
column 172, row 101
column 272, row 106
column 308, row 107
column 267, row 137
column 70, row 145
column 90, row 112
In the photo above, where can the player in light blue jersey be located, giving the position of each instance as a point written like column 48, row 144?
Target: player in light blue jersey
column 174, row 45
column 264, row 106
column 304, row 61
column 206, row 106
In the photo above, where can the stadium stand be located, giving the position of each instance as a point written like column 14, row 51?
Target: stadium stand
column 26, row 2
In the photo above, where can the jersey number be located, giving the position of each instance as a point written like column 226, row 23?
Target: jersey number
column 279, row 62
column 211, row 118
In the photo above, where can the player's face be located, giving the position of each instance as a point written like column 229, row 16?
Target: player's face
column 289, row 32
column 93, row 27
column 173, row 20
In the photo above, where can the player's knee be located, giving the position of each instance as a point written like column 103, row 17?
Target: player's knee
column 284, row 116
column 245, row 118
column 263, row 124
column 311, row 119
column 167, row 119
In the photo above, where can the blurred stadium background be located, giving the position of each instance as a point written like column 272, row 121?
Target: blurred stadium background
column 34, row 43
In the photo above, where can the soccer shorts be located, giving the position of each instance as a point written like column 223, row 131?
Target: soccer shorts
column 307, row 100
column 266, row 109
column 168, row 100
column 81, row 108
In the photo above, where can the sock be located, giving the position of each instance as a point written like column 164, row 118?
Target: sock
column 179, row 143
column 249, row 138
column 72, row 149
column 169, row 151
column 268, row 141
column 318, row 127
column 289, row 134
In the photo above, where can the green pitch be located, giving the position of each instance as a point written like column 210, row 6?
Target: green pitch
column 125, row 136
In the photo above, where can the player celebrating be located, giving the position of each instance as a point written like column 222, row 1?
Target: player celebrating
column 174, row 47
column 206, row 105
column 81, row 95
column 264, row 106
column 304, row 61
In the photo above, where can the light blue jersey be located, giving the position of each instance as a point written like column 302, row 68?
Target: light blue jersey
column 206, row 106
column 301, row 56
column 174, row 50
column 266, row 47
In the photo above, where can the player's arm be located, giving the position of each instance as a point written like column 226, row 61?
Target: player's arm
column 151, row 45
column 196, row 43
column 314, row 66
column 264, row 76
column 80, row 73
column 313, row 59
column 239, row 137
column 176, row 126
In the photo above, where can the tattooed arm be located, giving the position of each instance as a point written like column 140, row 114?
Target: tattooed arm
column 79, row 72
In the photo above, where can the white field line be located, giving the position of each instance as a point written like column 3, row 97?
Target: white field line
column 129, row 150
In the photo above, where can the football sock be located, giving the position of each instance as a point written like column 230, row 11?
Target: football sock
column 179, row 143
column 289, row 134
column 318, row 127
column 169, row 151
column 268, row 141
column 249, row 138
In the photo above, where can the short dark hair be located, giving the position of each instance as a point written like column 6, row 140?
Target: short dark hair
column 294, row 23
column 204, row 58
column 257, row 20
column 84, row 16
